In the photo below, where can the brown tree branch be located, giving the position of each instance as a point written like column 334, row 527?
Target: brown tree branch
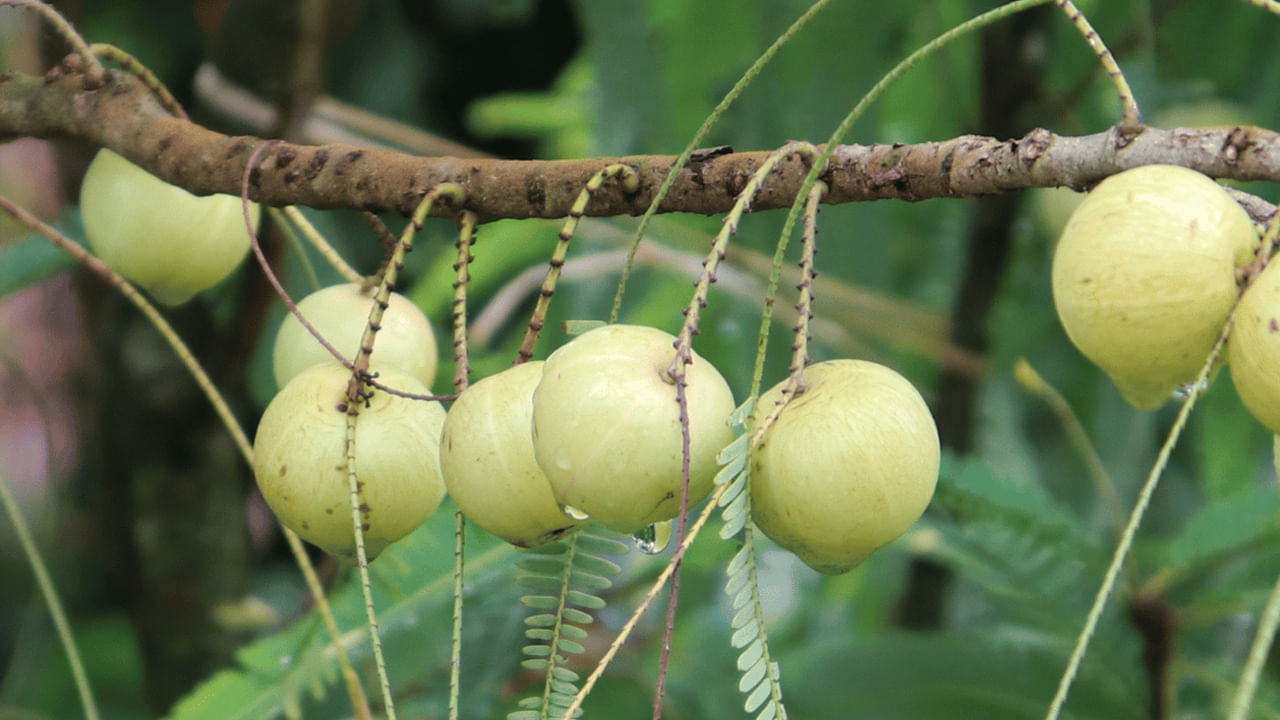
column 123, row 116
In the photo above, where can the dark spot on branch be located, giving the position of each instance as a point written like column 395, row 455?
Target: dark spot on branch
column 536, row 194
column 316, row 164
column 164, row 143
column 284, row 156
column 290, row 177
column 235, row 148
column 1033, row 145
column 1238, row 141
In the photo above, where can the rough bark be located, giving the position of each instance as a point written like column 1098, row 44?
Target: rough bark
column 122, row 115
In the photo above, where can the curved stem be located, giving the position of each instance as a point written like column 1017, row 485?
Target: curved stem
column 95, row 75
column 1131, row 118
column 134, row 67
column 707, row 124
column 51, row 600
column 1131, row 529
column 220, row 407
column 645, row 603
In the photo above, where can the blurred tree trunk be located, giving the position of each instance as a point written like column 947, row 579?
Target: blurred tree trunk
column 1013, row 61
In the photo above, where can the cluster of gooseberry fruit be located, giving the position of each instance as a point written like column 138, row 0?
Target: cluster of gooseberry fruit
column 1145, row 275
column 593, row 433
column 535, row 452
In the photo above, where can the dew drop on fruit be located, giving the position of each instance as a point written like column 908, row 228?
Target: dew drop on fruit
column 653, row 539
column 574, row 513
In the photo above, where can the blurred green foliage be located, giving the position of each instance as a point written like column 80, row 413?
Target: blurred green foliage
column 1017, row 519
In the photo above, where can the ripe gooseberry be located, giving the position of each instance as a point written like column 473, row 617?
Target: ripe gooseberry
column 159, row 236
column 1144, row 276
column 300, row 459
column 1254, row 350
column 848, row 465
column 486, row 454
column 606, row 426
column 340, row 313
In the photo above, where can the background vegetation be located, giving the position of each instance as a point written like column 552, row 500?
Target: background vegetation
column 185, row 602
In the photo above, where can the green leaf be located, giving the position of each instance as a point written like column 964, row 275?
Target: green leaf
column 34, row 258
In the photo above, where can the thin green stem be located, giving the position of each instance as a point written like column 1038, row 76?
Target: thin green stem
column 644, row 605
column 1131, row 529
column 357, row 394
column 462, row 363
column 819, row 164
column 707, row 124
column 630, row 183
column 1131, row 118
column 571, row 546
column 1031, row 380
column 804, row 311
column 462, row 266
column 220, row 407
column 51, row 600
column 455, row 652
column 362, row 561
column 1257, row 658
column 326, row 250
column 134, row 67
column 291, row 236
column 95, row 76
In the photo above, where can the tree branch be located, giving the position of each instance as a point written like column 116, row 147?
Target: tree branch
column 123, row 116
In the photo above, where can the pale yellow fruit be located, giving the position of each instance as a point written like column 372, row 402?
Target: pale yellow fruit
column 489, row 468
column 1254, row 350
column 158, row 236
column 849, row 465
column 340, row 313
column 606, row 426
column 1144, row 276
column 300, row 460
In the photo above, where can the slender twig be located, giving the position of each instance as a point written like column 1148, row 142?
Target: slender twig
column 683, row 159
column 804, row 314
column 326, row 250
column 134, row 67
column 1131, row 529
column 51, row 600
column 291, row 236
column 462, row 266
column 1257, row 657
column 630, row 183
column 1270, row 620
column 95, row 75
column 466, row 239
column 1131, row 118
column 358, row 521
column 358, row 394
column 645, row 604
column 1031, row 380
column 220, row 408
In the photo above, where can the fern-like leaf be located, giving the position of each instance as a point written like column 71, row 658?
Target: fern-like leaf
column 1016, row 543
column 565, row 578
column 759, row 683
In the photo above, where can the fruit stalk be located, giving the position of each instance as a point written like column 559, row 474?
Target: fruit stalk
column 630, row 183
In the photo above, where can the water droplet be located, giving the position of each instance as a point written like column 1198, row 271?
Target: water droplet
column 653, row 539
column 574, row 513
column 1184, row 391
column 563, row 461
